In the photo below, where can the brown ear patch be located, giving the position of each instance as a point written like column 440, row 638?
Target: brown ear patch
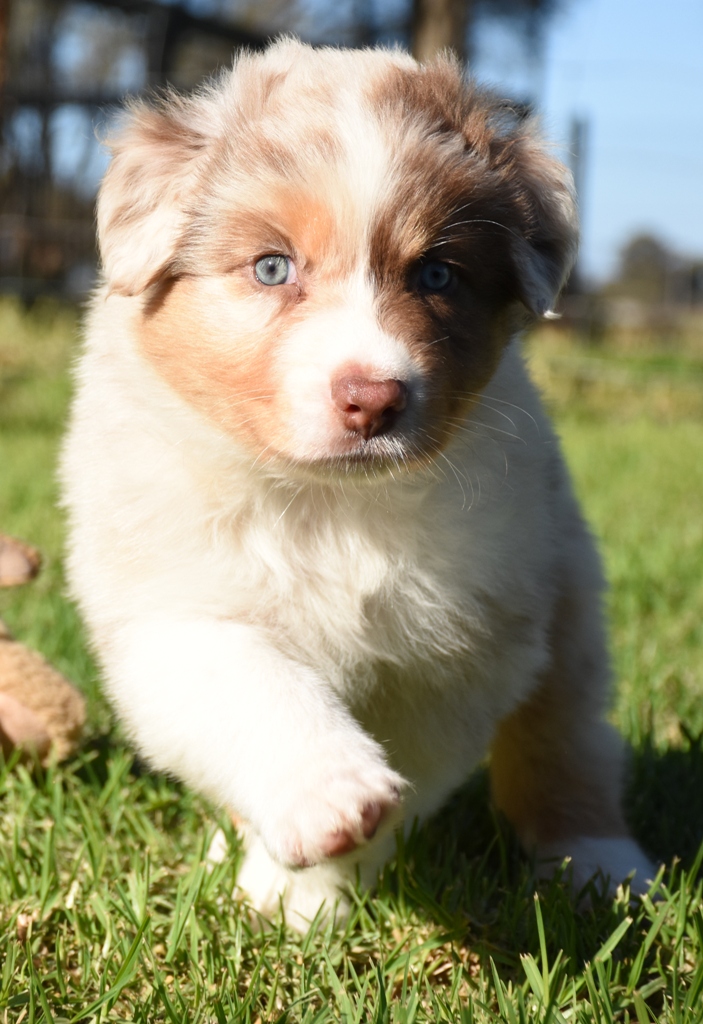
column 464, row 158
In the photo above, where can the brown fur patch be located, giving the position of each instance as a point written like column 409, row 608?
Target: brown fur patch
column 556, row 767
column 448, row 203
column 190, row 336
column 295, row 224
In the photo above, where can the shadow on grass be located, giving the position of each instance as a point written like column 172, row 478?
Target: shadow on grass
column 97, row 756
column 107, row 765
column 665, row 798
column 465, row 870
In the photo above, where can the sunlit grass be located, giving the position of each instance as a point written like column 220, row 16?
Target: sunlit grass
column 632, row 428
column 107, row 910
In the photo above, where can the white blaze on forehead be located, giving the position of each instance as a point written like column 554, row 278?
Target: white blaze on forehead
column 344, row 337
column 365, row 166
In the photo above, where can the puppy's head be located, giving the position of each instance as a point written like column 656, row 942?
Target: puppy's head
column 327, row 248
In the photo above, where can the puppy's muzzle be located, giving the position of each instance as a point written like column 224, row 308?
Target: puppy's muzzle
column 369, row 407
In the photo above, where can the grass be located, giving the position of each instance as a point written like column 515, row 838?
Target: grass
column 633, row 433
column 108, row 911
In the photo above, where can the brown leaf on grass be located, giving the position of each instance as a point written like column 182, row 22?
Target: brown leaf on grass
column 24, row 923
column 19, row 562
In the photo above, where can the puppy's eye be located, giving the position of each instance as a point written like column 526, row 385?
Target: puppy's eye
column 275, row 270
column 435, row 276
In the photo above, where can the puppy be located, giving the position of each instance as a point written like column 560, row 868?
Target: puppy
column 321, row 530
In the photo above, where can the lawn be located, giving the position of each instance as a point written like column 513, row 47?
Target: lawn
column 108, row 909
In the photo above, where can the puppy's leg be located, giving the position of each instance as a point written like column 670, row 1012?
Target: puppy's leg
column 216, row 704
column 557, row 766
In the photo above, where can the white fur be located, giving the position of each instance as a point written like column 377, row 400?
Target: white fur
column 612, row 858
column 299, row 646
column 237, row 655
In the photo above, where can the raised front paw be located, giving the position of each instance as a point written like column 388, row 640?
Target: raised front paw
column 339, row 810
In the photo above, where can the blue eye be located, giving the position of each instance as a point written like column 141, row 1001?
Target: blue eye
column 271, row 270
column 435, row 276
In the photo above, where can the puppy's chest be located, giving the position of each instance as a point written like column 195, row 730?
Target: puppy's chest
column 377, row 587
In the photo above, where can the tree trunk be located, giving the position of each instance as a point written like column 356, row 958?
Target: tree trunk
column 4, row 26
column 440, row 25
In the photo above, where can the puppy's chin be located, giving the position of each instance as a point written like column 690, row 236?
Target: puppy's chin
column 409, row 449
column 375, row 459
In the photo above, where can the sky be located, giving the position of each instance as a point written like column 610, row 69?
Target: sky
column 633, row 70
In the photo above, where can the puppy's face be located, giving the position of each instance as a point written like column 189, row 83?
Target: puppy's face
column 329, row 249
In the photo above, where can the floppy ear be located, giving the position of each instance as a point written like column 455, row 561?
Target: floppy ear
column 157, row 157
column 545, row 253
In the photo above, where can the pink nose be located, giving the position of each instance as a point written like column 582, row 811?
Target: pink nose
column 369, row 407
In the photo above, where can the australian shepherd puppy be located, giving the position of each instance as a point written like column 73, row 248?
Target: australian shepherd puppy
column 321, row 529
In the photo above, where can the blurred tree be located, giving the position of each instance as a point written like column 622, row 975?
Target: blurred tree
column 652, row 274
column 451, row 24
column 645, row 269
column 4, row 25
column 440, row 25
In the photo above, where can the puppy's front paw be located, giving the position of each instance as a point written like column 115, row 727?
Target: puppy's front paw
column 339, row 810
